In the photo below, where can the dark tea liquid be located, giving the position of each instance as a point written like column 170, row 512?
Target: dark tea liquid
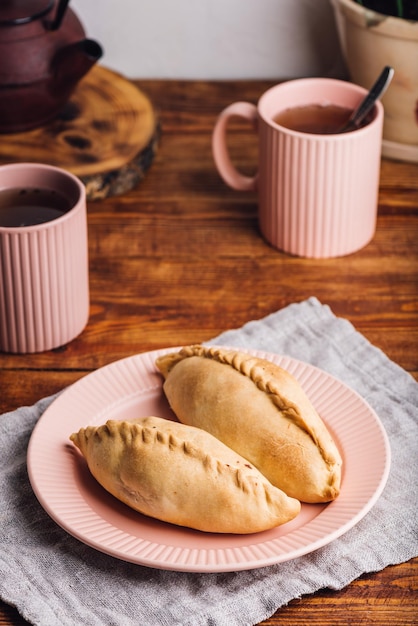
column 31, row 206
column 317, row 119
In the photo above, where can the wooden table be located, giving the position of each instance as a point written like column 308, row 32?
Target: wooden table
column 179, row 259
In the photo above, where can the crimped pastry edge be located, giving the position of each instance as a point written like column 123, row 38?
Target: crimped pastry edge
column 130, row 430
column 262, row 372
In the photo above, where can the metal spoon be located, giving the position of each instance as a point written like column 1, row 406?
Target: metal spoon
column 366, row 105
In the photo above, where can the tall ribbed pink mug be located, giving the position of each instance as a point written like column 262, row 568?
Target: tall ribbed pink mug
column 44, row 286
column 317, row 193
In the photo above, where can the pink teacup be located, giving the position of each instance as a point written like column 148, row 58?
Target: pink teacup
column 44, row 289
column 317, row 193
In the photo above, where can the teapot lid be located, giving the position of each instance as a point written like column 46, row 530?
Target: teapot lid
column 14, row 12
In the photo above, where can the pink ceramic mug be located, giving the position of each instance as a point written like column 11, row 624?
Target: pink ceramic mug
column 317, row 193
column 44, row 290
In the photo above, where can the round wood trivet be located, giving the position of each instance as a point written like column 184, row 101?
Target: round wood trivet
column 107, row 135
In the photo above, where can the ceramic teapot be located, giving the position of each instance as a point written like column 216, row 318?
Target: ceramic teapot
column 43, row 55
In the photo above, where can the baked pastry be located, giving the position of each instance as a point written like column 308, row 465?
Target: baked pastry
column 259, row 410
column 182, row 475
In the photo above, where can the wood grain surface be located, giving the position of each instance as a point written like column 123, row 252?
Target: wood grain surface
column 179, row 259
column 107, row 135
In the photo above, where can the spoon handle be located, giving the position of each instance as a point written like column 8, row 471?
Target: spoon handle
column 375, row 92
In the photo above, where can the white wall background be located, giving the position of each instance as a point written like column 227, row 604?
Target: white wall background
column 214, row 39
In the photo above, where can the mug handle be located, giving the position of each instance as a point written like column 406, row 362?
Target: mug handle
column 226, row 169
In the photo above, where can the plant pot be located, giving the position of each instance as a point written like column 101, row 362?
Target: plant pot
column 369, row 41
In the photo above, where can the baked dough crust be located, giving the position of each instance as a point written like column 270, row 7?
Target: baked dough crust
column 183, row 475
column 259, row 410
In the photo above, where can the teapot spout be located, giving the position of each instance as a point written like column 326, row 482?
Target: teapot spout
column 72, row 62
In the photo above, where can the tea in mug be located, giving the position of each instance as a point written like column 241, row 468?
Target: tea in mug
column 31, row 206
column 317, row 119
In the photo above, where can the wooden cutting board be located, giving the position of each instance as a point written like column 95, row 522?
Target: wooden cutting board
column 107, row 135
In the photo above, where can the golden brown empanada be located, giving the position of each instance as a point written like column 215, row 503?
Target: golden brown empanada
column 259, row 410
column 182, row 475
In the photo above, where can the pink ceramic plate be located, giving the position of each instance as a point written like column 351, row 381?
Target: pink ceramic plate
column 132, row 387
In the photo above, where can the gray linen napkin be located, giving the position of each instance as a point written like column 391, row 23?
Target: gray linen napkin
column 53, row 579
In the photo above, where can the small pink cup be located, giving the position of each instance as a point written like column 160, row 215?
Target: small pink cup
column 44, row 289
column 317, row 193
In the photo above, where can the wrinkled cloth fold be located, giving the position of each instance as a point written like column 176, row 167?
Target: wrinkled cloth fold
column 55, row 580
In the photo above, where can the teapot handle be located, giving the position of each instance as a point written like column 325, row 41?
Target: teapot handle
column 59, row 14
column 226, row 169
